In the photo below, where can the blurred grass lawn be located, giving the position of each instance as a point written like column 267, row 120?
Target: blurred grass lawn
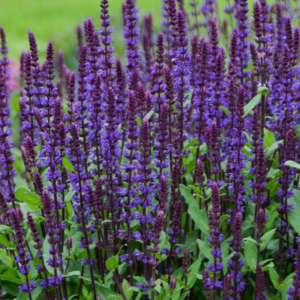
column 57, row 20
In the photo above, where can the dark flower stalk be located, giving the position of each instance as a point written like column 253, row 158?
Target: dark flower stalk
column 145, row 188
column 120, row 91
column 81, row 115
column 131, row 34
column 157, row 74
column 166, row 24
column 279, row 26
column 286, row 152
column 22, row 67
column 236, row 263
column 173, row 232
column 111, row 153
column 219, row 86
column 38, row 246
column 96, row 122
column 243, row 44
column 7, row 170
column 174, row 188
column 131, row 155
column 148, row 47
column 260, row 225
column 181, row 85
column 255, row 134
column 27, row 104
column 237, row 144
column 92, row 57
column 81, row 204
column 215, row 239
column 195, row 49
column 79, row 38
column 148, row 21
column 71, row 96
column 260, row 170
column 170, row 98
column 5, row 64
column 161, row 146
column 96, row 197
column 227, row 287
column 214, row 147
column 262, row 29
column 53, row 238
column 158, row 227
column 172, row 12
column 202, row 59
column 107, row 41
column 23, row 258
column 260, row 284
column 207, row 284
column 60, row 65
column 38, row 78
column 294, row 291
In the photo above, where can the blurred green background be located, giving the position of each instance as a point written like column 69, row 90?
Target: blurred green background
column 57, row 20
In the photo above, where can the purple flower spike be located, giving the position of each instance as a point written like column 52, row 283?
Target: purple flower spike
column 260, row 283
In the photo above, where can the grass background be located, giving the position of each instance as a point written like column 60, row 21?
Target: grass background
column 57, row 20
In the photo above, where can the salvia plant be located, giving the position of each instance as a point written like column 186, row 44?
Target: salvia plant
column 169, row 173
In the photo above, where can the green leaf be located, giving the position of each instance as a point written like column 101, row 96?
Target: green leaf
column 249, row 238
column 11, row 279
column 271, row 219
column 10, row 288
column 293, row 214
column 5, row 228
column 73, row 273
column 67, row 164
column 104, row 292
column 6, row 259
column 114, row 297
column 249, row 107
column 86, row 294
column 274, row 277
column 191, row 143
column 182, row 296
column 286, row 285
column 198, row 216
column 149, row 115
column 273, row 172
column 248, row 137
column 186, row 193
column 251, row 254
column 274, row 147
column 138, row 120
column 194, row 269
column 112, row 263
column 263, row 90
column 4, row 241
column 205, row 249
column 226, row 111
column 292, row 164
column 266, row 238
column 24, row 195
column 269, row 138
column 105, row 222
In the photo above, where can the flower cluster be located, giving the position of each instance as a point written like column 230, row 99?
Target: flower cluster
column 172, row 176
